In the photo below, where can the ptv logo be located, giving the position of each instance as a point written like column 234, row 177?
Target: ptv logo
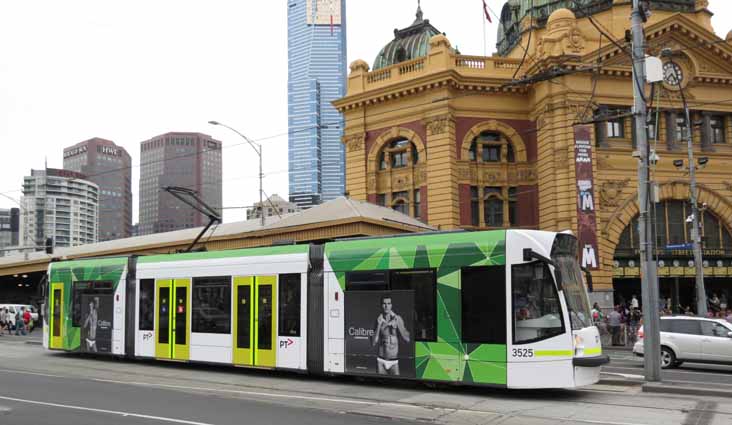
column 286, row 343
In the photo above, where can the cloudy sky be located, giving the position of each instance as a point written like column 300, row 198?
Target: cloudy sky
column 129, row 70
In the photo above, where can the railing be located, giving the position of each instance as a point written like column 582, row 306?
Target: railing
column 380, row 75
column 505, row 65
column 413, row 66
column 472, row 62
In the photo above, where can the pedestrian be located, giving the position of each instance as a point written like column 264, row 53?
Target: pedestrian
column 19, row 324
column 613, row 322
column 634, row 302
column 729, row 315
column 3, row 323
column 27, row 322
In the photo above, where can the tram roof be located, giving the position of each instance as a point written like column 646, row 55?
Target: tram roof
column 339, row 209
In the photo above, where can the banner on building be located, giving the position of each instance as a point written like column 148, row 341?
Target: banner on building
column 586, row 217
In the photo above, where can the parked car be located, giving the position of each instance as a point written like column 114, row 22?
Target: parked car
column 692, row 339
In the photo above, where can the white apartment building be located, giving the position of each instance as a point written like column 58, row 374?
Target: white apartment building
column 61, row 205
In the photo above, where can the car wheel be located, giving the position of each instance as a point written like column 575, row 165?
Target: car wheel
column 668, row 358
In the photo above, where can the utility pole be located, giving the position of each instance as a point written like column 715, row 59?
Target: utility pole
column 701, row 295
column 649, row 279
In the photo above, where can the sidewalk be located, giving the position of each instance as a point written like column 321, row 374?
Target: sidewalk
column 666, row 386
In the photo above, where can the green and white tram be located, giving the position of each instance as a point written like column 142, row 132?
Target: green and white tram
column 500, row 308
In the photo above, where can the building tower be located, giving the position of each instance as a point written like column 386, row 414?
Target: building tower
column 316, row 77
column 190, row 160
column 109, row 166
column 9, row 226
column 61, row 205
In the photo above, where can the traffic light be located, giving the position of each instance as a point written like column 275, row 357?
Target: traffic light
column 49, row 245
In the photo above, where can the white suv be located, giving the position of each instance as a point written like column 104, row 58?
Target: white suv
column 692, row 339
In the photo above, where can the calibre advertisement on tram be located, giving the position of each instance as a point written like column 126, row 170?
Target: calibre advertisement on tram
column 497, row 308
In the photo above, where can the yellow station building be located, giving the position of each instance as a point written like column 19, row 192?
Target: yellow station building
column 479, row 142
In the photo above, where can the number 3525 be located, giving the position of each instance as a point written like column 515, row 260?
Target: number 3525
column 523, row 352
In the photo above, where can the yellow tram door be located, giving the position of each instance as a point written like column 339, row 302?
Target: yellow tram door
column 243, row 320
column 57, row 315
column 265, row 329
column 181, row 318
column 163, row 327
column 172, row 319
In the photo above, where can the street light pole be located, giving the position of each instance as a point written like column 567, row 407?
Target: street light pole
column 701, row 295
column 258, row 149
column 649, row 279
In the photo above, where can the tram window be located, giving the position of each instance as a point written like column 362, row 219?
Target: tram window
column 537, row 314
column 424, row 285
column 211, row 305
column 484, row 304
column 76, row 291
column 367, row 281
column 289, row 305
column 147, row 304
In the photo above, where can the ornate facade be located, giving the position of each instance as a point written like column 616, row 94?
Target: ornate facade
column 454, row 141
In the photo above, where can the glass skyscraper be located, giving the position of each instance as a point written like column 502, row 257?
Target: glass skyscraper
column 317, row 73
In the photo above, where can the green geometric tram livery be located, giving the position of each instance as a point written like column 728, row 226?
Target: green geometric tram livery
column 498, row 308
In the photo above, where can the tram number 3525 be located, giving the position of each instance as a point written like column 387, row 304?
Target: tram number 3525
column 523, row 352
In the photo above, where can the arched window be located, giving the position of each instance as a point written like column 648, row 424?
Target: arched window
column 493, row 207
column 490, row 146
column 399, row 153
column 400, row 202
column 673, row 229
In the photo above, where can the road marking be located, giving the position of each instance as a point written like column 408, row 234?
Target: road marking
column 254, row 393
column 624, row 375
column 109, row 412
column 23, row 372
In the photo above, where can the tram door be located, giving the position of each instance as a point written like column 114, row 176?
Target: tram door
column 57, row 314
column 172, row 319
column 255, row 327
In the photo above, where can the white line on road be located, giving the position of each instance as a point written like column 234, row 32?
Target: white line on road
column 23, row 372
column 254, row 393
column 109, row 412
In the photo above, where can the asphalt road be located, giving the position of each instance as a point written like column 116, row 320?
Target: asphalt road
column 625, row 363
column 38, row 388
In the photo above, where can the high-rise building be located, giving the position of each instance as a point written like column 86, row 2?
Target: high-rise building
column 274, row 206
column 9, row 226
column 59, row 204
column 189, row 160
column 109, row 166
column 316, row 31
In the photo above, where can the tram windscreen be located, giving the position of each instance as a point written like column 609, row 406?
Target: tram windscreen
column 564, row 256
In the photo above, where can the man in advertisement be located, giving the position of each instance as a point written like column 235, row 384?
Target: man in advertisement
column 90, row 324
column 384, row 346
column 389, row 329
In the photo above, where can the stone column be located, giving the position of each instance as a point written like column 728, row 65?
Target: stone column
column 442, row 175
column 356, row 166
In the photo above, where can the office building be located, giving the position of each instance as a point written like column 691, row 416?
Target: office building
column 316, row 31
column 189, row 160
column 109, row 166
column 61, row 205
column 9, row 226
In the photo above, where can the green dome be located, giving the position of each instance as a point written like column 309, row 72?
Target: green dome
column 409, row 43
column 515, row 10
